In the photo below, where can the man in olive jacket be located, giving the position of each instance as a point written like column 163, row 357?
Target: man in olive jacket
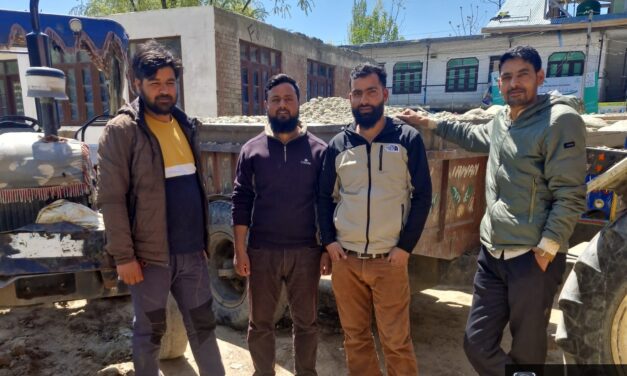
column 534, row 194
column 155, row 212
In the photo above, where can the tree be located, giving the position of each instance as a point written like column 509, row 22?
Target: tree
column 469, row 23
column 379, row 26
column 250, row 8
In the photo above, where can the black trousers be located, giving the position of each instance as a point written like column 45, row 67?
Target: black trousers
column 515, row 291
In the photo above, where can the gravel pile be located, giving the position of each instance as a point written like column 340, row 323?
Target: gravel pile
column 336, row 110
column 331, row 110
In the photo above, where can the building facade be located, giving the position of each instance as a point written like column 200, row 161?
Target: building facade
column 454, row 73
column 227, row 58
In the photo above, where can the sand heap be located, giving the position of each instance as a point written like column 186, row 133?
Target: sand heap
column 337, row 110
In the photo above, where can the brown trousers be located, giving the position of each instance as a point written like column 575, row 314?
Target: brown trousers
column 358, row 285
column 299, row 269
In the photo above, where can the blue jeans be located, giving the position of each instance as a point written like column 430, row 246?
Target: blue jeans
column 187, row 278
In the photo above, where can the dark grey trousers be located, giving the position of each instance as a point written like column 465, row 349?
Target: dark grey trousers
column 299, row 269
column 188, row 279
column 514, row 291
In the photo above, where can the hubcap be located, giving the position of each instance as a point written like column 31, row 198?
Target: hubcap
column 619, row 333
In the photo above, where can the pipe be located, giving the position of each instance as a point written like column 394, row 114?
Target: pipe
column 424, row 97
column 34, row 15
column 39, row 56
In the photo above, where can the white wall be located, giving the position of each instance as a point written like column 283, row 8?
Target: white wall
column 442, row 50
column 196, row 28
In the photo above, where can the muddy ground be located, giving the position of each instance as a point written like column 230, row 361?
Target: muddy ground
column 93, row 338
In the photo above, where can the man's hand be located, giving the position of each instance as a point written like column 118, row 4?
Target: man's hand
column 335, row 251
column 398, row 257
column 130, row 273
column 542, row 261
column 325, row 264
column 241, row 262
column 416, row 119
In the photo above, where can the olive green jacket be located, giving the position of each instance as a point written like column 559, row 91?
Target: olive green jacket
column 535, row 178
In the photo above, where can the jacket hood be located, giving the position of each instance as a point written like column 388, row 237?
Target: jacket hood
column 135, row 109
column 548, row 100
column 131, row 109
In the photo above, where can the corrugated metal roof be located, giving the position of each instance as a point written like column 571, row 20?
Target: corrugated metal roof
column 521, row 13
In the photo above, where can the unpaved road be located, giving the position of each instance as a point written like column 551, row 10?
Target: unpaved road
column 82, row 338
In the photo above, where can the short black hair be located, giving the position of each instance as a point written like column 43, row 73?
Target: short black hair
column 279, row 79
column 527, row 53
column 363, row 70
column 152, row 56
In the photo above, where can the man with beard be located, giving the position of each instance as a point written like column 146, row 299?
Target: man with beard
column 155, row 211
column 534, row 194
column 274, row 196
column 375, row 195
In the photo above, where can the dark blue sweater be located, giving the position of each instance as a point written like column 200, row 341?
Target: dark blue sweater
column 276, row 188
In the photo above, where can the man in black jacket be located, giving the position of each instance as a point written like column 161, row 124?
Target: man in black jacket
column 375, row 195
column 274, row 196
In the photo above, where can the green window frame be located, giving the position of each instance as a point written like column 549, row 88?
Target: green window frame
column 407, row 77
column 565, row 64
column 461, row 74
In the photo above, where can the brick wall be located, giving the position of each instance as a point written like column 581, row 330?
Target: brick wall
column 295, row 50
column 229, row 90
column 342, row 84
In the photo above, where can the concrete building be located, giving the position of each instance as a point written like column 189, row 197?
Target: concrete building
column 227, row 58
column 455, row 73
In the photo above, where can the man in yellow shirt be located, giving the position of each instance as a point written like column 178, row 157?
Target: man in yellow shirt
column 155, row 211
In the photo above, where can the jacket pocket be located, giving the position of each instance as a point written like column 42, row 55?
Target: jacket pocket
column 532, row 201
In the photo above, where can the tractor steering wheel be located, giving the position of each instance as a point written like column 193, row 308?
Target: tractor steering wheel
column 8, row 122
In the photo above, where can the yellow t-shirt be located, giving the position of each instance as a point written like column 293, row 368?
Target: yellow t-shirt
column 183, row 192
column 178, row 158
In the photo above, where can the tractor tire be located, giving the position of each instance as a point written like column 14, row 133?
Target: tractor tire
column 174, row 341
column 594, row 301
column 230, row 292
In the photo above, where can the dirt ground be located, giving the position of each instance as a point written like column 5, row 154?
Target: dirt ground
column 93, row 338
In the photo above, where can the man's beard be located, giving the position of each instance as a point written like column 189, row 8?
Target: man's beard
column 159, row 108
column 283, row 125
column 368, row 120
column 521, row 100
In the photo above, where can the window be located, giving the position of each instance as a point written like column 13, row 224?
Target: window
column 407, row 77
column 257, row 65
column 10, row 89
column 495, row 63
column 565, row 64
column 174, row 45
column 85, row 87
column 319, row 79
column 461, row 74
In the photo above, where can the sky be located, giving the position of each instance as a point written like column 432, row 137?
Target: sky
column 329, row 19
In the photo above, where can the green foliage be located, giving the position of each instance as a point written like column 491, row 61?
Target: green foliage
column 379, row 26
column 250, row 8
